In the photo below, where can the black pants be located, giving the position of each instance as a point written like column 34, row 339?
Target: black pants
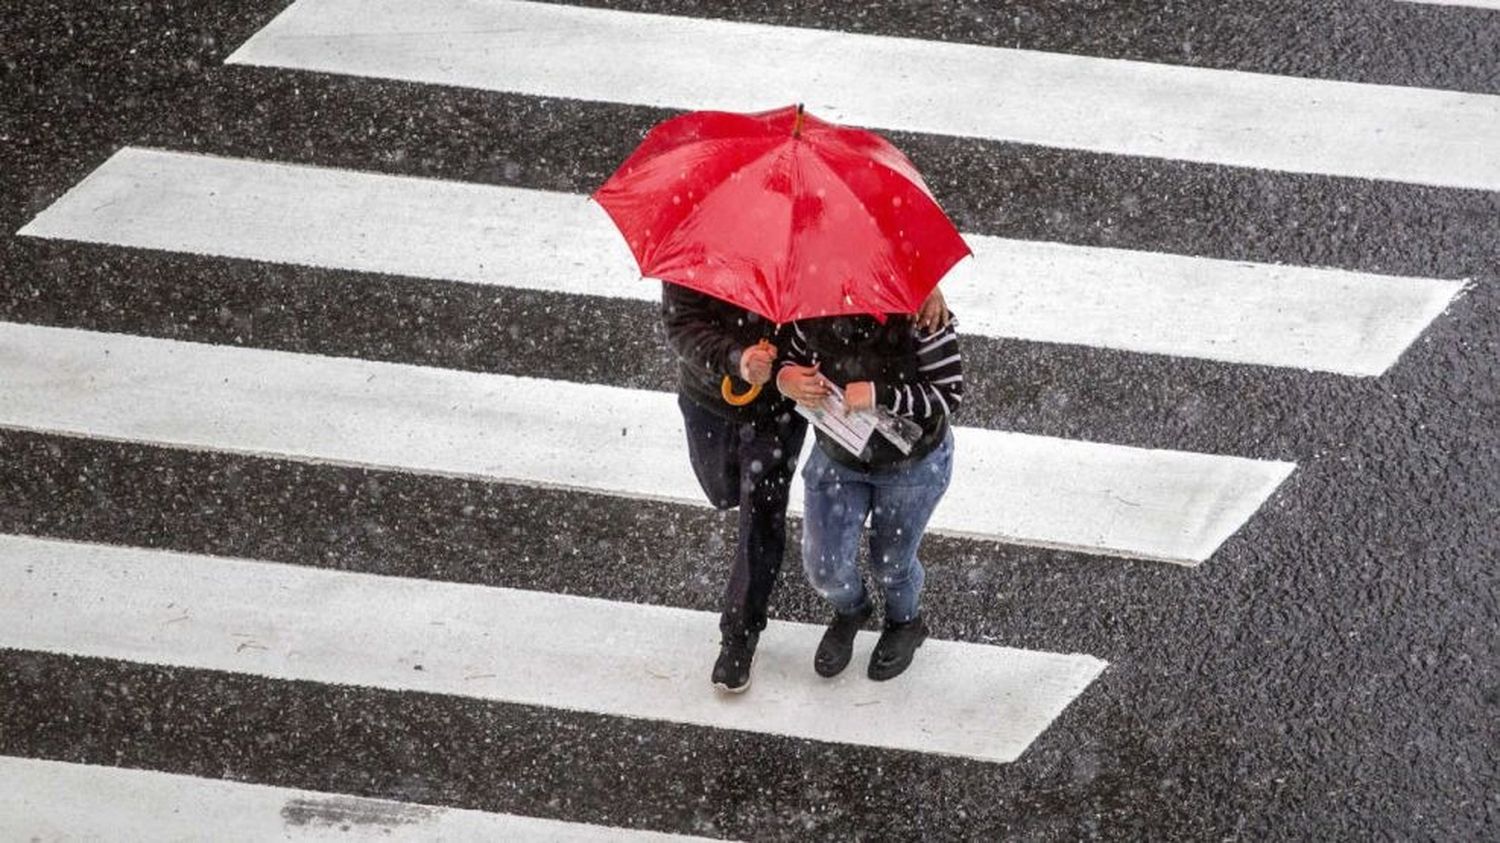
column 749, row 465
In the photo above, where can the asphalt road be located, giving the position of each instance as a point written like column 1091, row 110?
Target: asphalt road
column 1331, row 673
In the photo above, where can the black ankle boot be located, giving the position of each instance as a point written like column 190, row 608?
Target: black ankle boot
column 893, row 652
column 837, row 646
column 736, row 652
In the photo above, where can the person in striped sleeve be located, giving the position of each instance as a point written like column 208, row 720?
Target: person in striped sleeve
column 915, row 374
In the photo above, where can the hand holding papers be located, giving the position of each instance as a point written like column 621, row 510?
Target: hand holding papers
column 852, row 429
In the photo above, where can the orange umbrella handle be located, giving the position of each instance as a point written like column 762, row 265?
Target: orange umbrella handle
column 726, row 386
column 726, row 389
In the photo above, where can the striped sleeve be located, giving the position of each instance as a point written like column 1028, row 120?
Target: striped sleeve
column 938, row 388
column 797, row 351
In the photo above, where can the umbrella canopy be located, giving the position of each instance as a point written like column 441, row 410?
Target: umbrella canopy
column 782, row 214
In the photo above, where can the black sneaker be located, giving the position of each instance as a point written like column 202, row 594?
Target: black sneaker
column 732, row 670
column 837, row 646
column 893, row 652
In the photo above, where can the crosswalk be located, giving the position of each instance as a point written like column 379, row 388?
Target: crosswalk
column 293, row 622
column 281, row 624
column 1072, row 102
column 51, row 800
column 1351, row 323
column 1153, row 504
column 1476, row 4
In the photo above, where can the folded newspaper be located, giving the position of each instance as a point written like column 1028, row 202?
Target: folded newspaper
column 852, row 430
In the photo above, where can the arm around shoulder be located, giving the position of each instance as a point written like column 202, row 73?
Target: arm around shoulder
column 938, row 388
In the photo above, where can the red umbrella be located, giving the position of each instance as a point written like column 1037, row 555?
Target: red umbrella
column 783, row 214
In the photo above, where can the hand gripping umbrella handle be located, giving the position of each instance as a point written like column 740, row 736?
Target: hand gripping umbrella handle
column 726, row 388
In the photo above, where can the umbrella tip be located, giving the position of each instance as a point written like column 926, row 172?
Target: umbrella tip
column 797, row 124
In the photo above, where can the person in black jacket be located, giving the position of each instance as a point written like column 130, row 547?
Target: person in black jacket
column 915, row 375
column 743, row 456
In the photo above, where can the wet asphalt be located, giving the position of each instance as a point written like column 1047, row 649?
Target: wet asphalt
column 1331, row 673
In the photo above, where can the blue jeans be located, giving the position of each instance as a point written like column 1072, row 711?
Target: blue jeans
column 898, row 502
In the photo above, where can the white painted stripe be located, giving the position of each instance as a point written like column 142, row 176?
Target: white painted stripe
column 1476, row 4
column 1332, row 320
column 54, row 800
column 621, row 659
column 50, row 800
column 1108, row 105
column 1167, row 505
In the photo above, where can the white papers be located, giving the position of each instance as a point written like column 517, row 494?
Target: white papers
column 897, row 430
column 852, row 431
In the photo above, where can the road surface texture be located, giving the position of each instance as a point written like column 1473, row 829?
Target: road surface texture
column 341, row 492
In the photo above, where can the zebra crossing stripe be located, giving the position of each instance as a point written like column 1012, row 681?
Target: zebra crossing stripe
column 1473, row 4
column 1099, row 498
column 1076, row 102
column 55, row 800
column 1321, row 319
column 532, row 648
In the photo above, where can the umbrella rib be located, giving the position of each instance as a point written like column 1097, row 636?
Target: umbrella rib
column 647, row 259
column 853, row 197
column 691, row 144
column 682, row 223
column 828, row 166
column 783, row 282
column 913, row 176
column 919, row 184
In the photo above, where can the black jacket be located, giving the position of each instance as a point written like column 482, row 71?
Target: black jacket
column 708, row 335
column 917, row 376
